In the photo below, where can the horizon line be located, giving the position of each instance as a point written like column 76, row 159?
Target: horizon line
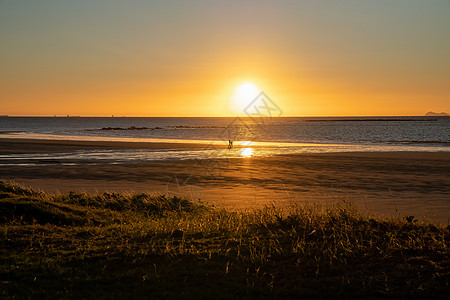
column 201, row 116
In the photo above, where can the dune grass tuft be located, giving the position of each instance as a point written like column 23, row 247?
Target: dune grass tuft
column 139, row 245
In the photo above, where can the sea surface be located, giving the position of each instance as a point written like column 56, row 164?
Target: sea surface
column 284, row 135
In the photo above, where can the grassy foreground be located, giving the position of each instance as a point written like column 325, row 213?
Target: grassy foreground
column 153, row 246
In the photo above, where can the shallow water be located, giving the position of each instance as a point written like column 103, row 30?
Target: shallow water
column 244, row 149
column 425, row 131
column 274, row 137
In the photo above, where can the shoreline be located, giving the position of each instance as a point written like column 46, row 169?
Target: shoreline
column 385, row 183
column 26, row 145
column 60, row 144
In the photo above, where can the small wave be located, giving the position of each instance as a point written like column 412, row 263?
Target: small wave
column 12, row 131
column 422, row 142
column 124, row 128
column 198, row 126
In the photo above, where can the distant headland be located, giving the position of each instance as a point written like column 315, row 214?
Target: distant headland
column 434, row 114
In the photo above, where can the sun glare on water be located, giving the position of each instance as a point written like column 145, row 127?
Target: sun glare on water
column 247, row 151
column 243, row 96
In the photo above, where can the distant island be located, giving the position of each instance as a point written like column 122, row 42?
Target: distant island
column 433, row 114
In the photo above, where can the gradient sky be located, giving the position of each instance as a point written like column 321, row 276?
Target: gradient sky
column 186, row 58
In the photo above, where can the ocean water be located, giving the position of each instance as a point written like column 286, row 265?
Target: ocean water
column 260, row 136
column 431, row 131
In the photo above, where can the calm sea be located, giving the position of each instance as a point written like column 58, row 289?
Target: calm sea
column 279, row 135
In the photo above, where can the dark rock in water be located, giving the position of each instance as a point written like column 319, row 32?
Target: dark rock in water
column 112, row 128
column 434, row 114
column 127, row 128
column 177, row 233
column 137, row 128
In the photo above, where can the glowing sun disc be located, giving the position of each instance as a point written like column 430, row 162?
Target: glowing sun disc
column 244, row 95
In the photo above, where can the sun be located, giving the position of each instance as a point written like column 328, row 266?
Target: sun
column 244, row 94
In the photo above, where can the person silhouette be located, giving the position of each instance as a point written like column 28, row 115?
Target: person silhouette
column 230, row 144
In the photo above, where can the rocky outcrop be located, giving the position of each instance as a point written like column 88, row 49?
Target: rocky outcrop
column 434, row 114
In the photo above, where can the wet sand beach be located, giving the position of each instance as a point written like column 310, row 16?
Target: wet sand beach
column 27, row 146
column 383, row 183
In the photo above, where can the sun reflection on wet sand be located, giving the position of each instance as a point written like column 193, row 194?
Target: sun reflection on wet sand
column 246, row 152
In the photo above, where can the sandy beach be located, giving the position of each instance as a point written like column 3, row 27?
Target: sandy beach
column 384, row 183
column 27, row 146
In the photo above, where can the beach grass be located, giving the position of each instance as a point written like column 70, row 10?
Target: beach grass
column 155, row 246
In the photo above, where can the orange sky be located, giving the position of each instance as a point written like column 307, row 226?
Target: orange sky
column 313, row 58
